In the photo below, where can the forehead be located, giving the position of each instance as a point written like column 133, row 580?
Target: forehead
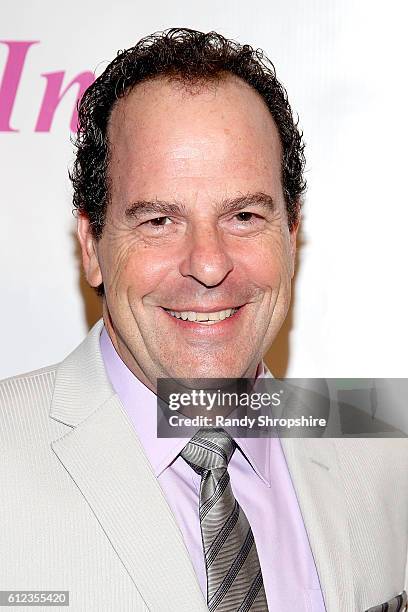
column 216, row 135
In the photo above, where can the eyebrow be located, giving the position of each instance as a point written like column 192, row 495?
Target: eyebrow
column 251, row 199
column 144, row 207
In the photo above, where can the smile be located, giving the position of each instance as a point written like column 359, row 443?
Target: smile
column 207, row 318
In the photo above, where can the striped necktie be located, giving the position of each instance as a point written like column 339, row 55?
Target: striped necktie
column 234, row 578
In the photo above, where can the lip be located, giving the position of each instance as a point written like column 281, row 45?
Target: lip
column 200, row 308
column 198, row 329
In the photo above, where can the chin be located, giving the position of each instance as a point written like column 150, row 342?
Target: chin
column 209, row 371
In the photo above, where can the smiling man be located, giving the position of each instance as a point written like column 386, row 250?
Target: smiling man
column 196, row 255
column 187, row 183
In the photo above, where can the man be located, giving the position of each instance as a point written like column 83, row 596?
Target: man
column 187, row 181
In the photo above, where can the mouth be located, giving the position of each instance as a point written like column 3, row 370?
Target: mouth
column 204, row 318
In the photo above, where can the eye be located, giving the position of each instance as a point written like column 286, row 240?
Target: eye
column 159, row 221
column 245, row 223
column 245, row 216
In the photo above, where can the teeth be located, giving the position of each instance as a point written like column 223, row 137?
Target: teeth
column 203, row 317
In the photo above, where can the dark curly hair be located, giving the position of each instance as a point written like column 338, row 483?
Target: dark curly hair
column 192, row 57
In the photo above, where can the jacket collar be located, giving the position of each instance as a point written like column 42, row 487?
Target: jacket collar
column 81, row 384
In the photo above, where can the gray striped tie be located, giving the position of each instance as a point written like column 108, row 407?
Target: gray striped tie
column 234, row 578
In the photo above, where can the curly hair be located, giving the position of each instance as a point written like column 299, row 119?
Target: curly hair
column 191, row 57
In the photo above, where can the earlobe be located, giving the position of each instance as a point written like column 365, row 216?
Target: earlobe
column 87, row 243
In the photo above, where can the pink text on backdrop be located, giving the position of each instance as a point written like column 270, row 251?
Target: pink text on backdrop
column 54, row 90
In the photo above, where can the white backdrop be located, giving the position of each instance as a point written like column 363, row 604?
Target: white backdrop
column 344, row 66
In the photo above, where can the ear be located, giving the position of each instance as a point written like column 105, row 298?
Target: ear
column 90, row 260
column 293, row 238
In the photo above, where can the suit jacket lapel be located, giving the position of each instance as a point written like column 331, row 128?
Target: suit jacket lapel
column 317, row 480
column 106, row 461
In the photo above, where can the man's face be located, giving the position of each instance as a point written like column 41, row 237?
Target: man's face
column 196, row 256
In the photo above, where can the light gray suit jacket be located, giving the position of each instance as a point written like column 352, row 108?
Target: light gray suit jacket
column 81, row 509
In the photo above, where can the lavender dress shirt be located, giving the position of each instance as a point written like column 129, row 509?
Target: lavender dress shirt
column 260, row 481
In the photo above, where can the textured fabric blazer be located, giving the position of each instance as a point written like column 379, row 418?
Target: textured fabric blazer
column 81, row 509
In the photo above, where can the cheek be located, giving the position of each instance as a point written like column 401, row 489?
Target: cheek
column 267, row 262
column 133, row 271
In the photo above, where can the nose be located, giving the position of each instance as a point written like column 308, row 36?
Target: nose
column 206, row 259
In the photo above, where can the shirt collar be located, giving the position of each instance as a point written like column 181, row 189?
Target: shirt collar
column 140, row 406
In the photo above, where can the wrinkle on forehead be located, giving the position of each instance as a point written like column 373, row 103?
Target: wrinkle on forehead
column 161, row 130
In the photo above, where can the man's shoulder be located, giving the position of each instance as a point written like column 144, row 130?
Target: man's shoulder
column 39, row 384
column 24, row 390
column 48, row 400
column 25, row 402
column 27, row 385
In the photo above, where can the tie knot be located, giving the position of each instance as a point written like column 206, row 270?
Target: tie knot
column 209, row 449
